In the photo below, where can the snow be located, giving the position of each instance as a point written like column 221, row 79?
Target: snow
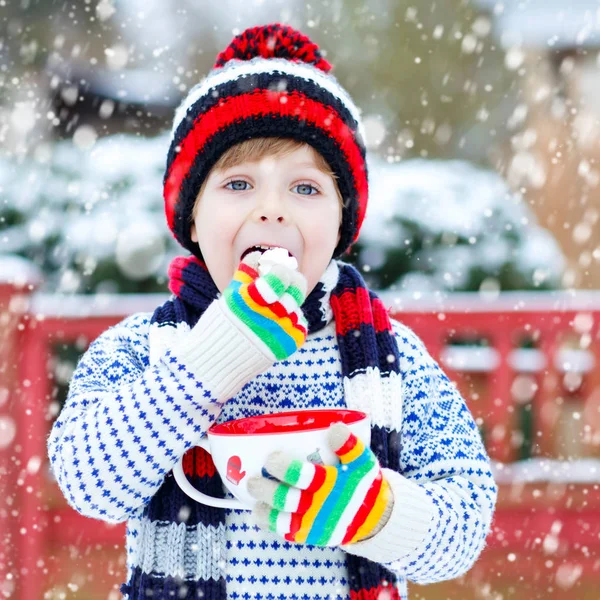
column 95, row 206
column 8, row 431
column 477, row 359
column 462, row 220
column 175, row 34
column 467, row 358
column 140, row 249
column 91, row 205
column 414, row 183
column 527, row 360
column 98, row 305
column 18, row 271
column 509, row 301
column 135, row 89
column 472, row 359
column 86, row 206
column 538, row 470
column 546, row 23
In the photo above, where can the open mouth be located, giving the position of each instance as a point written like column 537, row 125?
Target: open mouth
column 262, row 249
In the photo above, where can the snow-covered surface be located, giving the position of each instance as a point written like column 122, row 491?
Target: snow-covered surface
column 510, row 301
column 98, row 305
column 18, row 271
column 470, row 358
column 523, row 360
column 87, row 198
column 481, row 223
column 92, row 207
column 534, row 470
column 527, row 360
column 88, row 207
column 77, row 304
column 460, row 358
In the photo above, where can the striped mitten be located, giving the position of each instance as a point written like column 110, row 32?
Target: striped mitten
column 267, row 308
column 324, row 505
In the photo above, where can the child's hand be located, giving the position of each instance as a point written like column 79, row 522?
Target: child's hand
column 324, row 505
column 267, row 308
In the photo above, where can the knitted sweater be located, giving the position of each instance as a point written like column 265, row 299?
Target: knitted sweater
column 121, row 398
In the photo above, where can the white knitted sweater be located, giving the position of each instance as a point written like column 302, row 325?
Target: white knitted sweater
column 444, row 495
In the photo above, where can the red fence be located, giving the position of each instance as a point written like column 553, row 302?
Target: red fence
column 524, row 362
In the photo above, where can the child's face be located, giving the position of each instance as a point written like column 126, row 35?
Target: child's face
column 279, row 200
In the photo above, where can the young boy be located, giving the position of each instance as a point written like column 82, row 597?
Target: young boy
column 267, row 151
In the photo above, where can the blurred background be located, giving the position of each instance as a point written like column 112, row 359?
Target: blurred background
column 482, row 233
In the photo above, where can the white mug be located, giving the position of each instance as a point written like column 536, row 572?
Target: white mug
column 240, row 448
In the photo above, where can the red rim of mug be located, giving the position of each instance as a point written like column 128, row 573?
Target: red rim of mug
column 287, row 422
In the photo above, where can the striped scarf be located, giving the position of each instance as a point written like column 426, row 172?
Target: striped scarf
column 370, row 368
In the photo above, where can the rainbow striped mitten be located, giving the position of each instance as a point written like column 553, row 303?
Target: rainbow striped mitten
column 267, row 308
column 324, row 505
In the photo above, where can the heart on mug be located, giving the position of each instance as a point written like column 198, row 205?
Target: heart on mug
column 234, row 470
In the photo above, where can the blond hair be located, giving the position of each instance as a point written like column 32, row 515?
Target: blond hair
column 256, row 149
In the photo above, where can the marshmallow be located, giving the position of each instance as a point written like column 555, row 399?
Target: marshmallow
column 275, row 256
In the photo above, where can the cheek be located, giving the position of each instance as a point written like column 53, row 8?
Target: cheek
column 323, row 215
column 321, row 229
column 216, row 224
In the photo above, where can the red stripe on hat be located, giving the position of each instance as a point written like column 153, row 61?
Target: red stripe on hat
column 177, row 172
column 263, row 103
column 364, row 510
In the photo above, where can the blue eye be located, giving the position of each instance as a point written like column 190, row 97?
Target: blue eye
column 305, row 189
column 237, row 185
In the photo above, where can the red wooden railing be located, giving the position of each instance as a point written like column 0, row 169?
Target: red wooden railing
column 545, row 518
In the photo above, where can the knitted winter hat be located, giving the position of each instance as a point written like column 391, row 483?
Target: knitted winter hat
column 271, row 81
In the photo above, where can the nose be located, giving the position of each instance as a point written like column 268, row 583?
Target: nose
column 271, row 207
